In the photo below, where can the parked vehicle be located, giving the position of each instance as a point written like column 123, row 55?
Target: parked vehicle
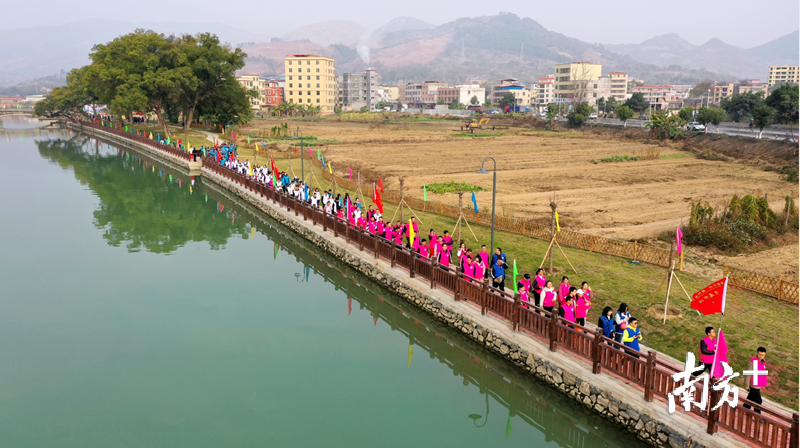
column 695, row 126
column 593, row 116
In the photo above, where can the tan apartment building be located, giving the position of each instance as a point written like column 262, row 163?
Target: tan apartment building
column 544, row 92
column 572, row 80
column 254, row 82
column 659, row 97
column 619, row 86
column 752, row 88
column 783, row 74
column 426, row 93
column 722, row 90
column 311, row 81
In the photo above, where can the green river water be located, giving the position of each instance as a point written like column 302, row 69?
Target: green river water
column 135, row 313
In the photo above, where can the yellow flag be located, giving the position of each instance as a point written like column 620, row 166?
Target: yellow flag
column 558, row 227
column 252, row 231
column 154, row 168
column 249, row 169
column 410, row 232
column 190, row 188
column 330, row 168
column 410, row 353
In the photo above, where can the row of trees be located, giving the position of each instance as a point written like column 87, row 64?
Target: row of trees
column 285, row 109
column 166, row 76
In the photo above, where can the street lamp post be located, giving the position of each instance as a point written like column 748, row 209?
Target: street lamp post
column 302, row 160
column 494, row 190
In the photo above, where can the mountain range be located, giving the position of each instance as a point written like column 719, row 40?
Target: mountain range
column 715, row 55
column 406, row 48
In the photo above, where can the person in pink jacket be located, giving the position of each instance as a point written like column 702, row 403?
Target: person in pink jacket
column 548, row 297
column 582, row 305
column 567, row 311
column 757, row 382
column 563, row 289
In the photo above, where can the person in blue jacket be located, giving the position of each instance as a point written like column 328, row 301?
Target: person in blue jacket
column 606, row 322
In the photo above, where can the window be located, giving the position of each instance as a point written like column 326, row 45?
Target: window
column 308, row 78
column 317, row 78
column 317, row 62
column 317, row 92
column 317, row 100
column 290, row 70
column 317, row 70
column 290, row 78
column 300, row 92
column 318, row 85
column 290, row 62
column 308, row 85
column 308, row 70
column 308, row 62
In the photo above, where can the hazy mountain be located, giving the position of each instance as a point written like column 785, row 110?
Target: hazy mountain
column 328, row 33
column 400, row 25
column 26, row 53
column 715, row 55
column 783, row 50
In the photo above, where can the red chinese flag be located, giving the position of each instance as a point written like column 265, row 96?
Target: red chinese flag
column 295, row 149
column 379, row 201
column 711, row 299
column 380, row 184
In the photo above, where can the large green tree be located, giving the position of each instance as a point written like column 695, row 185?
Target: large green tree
column 741, row 106
column 784, row 100
column 624, row 113
column 141, row 71
column 708, row 115
column 579, row 114
column 607, row 105
column 67, row 100
column 507, row 100
column 637, row 103
column 763, row 116
column 213, row 70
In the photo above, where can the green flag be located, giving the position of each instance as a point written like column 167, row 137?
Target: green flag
column 515, row 275
column 425, row 192
column 248, row 139
column 170, row 178
column 319, row 155
column 126, row 129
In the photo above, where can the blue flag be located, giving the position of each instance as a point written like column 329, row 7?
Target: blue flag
column 323, row 161
column 474, row 202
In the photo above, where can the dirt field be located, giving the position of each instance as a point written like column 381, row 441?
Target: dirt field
column 634, row 199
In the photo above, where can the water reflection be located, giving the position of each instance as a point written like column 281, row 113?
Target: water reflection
column 143, row 205
column 21, row 122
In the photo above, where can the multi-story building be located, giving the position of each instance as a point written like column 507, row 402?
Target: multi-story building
column 357, row 90
column 659, row 97
column 752, row 88
column 522, row 96
column 783, row 74
column 722, row 90
column 426, row 93
column 390, row 93
column 401, row 93
column 572, row 80
column 273, row 94
column 681, row 90
column 254, row 82
column 619, row 86
column 544, row 92
column 311, row 81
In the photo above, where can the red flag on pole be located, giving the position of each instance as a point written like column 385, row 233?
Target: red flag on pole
column 711, row 299
column 378, row 201
column 380, row 184
column 295, row 149
column 679, row 240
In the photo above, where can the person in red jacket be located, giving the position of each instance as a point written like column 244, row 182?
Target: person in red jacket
column 708, row 347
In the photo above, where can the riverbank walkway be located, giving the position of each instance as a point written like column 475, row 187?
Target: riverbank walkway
column 549, row 347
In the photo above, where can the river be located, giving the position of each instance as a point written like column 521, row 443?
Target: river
column 139, row 309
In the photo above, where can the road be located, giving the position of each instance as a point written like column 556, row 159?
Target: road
column 779, row 132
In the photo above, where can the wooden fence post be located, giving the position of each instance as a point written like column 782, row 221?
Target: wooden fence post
column 553, row 330
column 635, row 250
column 458, row 281
column 376, row 245
column 591, row 243
column 713, row 415
column 394, row 252
column 780, row 289
column 649, row 375
column 413, row 260
column 517, row 312
column 597, row 352
column 432, row 263
column 794, row 436
column 484, row 291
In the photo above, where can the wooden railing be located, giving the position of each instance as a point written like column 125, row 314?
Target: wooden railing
column 760, row 425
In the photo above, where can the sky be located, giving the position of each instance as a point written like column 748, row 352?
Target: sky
column 737, row 22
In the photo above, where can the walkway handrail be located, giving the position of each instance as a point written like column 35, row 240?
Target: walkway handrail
column 760, row 425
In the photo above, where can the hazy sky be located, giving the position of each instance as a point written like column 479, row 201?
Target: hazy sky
column 744, row 23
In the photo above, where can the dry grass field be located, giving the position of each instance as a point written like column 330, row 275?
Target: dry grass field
column 630, row 199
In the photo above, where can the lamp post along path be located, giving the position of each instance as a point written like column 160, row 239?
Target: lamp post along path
column 494, row 191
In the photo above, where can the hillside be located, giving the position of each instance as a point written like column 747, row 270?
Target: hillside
column 328, row 33
column 714, row 55
column 487, row 47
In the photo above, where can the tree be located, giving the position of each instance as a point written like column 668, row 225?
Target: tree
column 213, row 68
column 456, row 105
column 686, row 113
column 487, row 103
column 784, row 101
column 665, row 125
column 637, row 103
column 552, row 112
column 65, row 101
column 740, row 106
column 707, row 115
column 701, row 89
column 624, row 113
column 141, row 71
column 507, row 100
column 579, row 114
column 607, row 105
column 763, row 116
column 474, row 100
